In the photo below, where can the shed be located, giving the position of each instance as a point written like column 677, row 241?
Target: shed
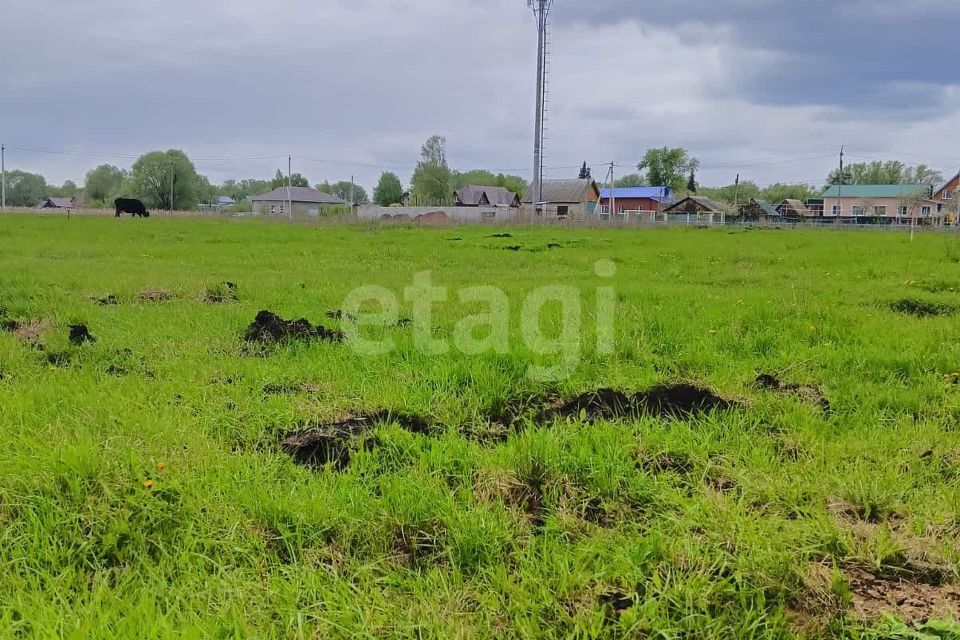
column 757, row 209
column 791, row 208
column 304, row 201
column 695, row 205
column 58, row 203
column 485, row 197
column 566, row 198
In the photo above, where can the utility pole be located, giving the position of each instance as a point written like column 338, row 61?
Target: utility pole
column 840, row 187
column 613, row 193
column 736, row 199
column 352, row 201
column 290, row 185
column 3, row 177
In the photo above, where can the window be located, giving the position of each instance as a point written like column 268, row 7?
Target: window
column 880, row 210
column 281, row 209
column 925, row 211
column 857, row 210
column 562, row 211
column 902, row 211
column 488, row 214
column 837, row 210
column 947, row 194
column 273, row 209
column 605, row 209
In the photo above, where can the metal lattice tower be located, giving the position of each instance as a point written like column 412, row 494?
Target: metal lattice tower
column 541, row 10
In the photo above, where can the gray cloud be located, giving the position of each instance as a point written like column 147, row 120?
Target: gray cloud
column 361, row 84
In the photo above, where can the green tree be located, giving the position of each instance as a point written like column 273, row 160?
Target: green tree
column 166, row 180
column 67, row 190
column 888, row 172
column 25, row 189
column 777, row 193
column 585, row 172
column 239, row 190
column 343, row 191
column 668, row 167
column 513, row 184
column 732, row 194
column 431, row 183
column 631, row 180
column 484, row 178
column 295, row 180
column 102, row 182
column 692, row 182
column 389, row 190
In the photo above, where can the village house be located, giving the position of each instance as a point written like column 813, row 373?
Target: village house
column 565, row 199
column 949, row 197
column 59, row 203
column 886, row 203
column 304, row 200
column 791, row 209
column 702, row 207
column 633, row 200
column 758, row 210
column 485, row 197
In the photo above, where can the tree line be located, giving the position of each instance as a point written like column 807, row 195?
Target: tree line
column 169, row 180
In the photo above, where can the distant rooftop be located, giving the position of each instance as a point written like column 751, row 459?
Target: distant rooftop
column 875, row 190
column 660, row 194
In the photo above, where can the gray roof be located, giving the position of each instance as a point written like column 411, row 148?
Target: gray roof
column 472, row 196
column 56, row 203
column 797, row 206
column 766, row 207
column 298, row 194
column 569, row 191
column 705, row 202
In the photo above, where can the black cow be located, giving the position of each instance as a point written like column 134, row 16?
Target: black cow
column 131, row 206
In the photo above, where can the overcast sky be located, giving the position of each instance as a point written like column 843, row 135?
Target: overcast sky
column 766, row 88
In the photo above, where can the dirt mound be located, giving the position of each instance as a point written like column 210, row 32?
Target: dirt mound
column 922, row 308
column 501, row 235
column 553, row 245
column 386, row 216
column 434, row 217
column 221, row 293
column 667, row 401
column 322, row 444
column 80, row 335
column 807, row 393
column 514, row 248
column 28, row 331
column 154, row 295
column 269, row 328
column 110, row 300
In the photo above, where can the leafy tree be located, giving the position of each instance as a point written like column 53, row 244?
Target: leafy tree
column 295, row 180
column 631, row 180
column 585, row 172
column 432, row 182
column 777, row 193
column 732, row 193
column 102, row 182
column 484, row 178
column 342, row 190
column 889, row 172
column 239, row 190
column 68, row 190
column 692, row 182
column 389, row 190
column 25, row 189
column 668, row 167
column 166, row 180
column 513, row 184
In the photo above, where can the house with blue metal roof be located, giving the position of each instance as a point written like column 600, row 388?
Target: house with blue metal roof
column 625, row 200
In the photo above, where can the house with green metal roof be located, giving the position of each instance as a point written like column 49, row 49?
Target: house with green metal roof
column 887, row 203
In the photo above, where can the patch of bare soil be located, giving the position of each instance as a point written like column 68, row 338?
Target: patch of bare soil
column 269, row 328
column 910, row 601
column 667, row 401
column 922, row 308
column 501, row 235
column 154, row 295
column 554, row 245
column 80, row 335
column 807, row 393
column 222, row 293
column 28, row 331
column 318, row 445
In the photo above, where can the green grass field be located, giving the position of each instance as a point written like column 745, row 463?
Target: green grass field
column 145, row 491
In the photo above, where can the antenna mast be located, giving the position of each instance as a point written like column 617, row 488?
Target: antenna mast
column 541, row 10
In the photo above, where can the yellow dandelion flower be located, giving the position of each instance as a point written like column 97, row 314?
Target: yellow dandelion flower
column 161, row 465
column 148, row 484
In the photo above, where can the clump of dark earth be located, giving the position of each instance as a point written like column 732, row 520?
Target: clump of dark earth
column 80, row 335
column 403, row 322
column 107, row 301
column 616, row 601
column 501, row 235
column 513, row 248
column 222, row 293
column 553, row 245
column 321, row 444
column 455, row 239
column 808, row 393
column 922, row 308
column 269, row 328
column 337, row 314
column 154, row 295
column 667, row 401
